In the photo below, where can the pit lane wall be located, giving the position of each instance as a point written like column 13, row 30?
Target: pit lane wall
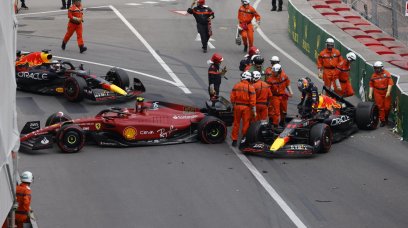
column 309, row 30
column 9, row 136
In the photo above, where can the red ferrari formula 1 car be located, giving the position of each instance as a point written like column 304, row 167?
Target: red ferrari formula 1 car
column 149, row 123
column 75, row 84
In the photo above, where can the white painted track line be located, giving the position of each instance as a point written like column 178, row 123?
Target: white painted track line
column 178, row 82
column 110, row 66
column 255, row 172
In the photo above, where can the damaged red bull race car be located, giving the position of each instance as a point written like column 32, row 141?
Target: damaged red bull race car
column 149, row 123
column 35, row 72
column 334, row 120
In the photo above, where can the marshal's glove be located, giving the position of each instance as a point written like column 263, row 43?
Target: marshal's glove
column 320, row 74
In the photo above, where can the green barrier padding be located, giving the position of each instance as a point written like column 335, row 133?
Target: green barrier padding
column 311, row 40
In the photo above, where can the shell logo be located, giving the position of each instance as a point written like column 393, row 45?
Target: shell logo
column 130, row 133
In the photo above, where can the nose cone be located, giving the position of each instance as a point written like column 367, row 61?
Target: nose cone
column 278, row 143
column 116, row 89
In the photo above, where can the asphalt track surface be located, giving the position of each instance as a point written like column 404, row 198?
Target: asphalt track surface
column 362, row 182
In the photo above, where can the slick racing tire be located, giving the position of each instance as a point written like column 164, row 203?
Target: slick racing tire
column 212, row 130
column 367, row 116
column 70, row 138
column 118, row 77
column 57, row 117
column 74, row 88
column 321, row 138
column 256, row 132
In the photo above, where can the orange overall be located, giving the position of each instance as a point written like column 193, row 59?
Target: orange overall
column 343, row 74
column 279, row 105
column 328, row 60
column 23, row 193
column 263, row 97
column 34, row 59
column 380, row 83
column 243, row 97
column 75, row 25
column 245, row 15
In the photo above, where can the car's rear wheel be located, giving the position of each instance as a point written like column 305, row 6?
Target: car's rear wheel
column 212, row 130
column 367, row 116
column 57, row 117
column 70, row 138
column 321, row 137
column 74, row 88
column 118, row 77
column 256, row 132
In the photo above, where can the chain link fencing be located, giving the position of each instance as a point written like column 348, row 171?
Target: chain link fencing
column 389, row 15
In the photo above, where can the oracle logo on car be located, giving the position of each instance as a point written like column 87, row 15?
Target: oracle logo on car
column 34, row 76
column 339, row 120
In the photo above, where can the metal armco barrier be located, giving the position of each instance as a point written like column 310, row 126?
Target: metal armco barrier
column 308, row 29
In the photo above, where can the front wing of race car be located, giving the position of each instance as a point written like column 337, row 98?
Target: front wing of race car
column 99, row 95
column 287, row 151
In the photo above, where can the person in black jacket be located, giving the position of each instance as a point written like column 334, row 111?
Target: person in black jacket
column 310, row 97
column 215, row 74
column 203, row 15
column 66, row 4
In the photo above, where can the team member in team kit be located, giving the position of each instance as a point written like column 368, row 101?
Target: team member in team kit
column 203, row 16
column 215, row 75
column 327, row 62
column 75, row 15
column 243, row 99
column 245, row 15
column 381, row 85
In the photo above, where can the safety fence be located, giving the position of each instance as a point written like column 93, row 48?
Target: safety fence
column 389, row 15
column 309, row 30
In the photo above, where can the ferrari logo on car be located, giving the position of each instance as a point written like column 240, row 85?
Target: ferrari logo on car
column 98, row 126
column 129, row 133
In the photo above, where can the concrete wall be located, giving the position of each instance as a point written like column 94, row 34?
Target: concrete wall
column 9, row 136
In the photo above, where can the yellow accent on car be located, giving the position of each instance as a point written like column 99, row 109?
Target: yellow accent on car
column 277, row 144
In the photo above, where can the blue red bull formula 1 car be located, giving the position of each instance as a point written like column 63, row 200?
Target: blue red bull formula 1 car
column 304, row 137
column 75, row 84
column 149, row 123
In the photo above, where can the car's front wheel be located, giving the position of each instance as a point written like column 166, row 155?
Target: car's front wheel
column 212, row 130
column 321, row 138
column 367, row 116
column 70, row 138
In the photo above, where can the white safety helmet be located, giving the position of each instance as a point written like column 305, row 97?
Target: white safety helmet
column 26, row 177
column 276, row 68
column 329, row 43
column 245, row 2
column 275, row 59
column 351, row 56
column 256, row 75
column 378, row 66
column 246, row 76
